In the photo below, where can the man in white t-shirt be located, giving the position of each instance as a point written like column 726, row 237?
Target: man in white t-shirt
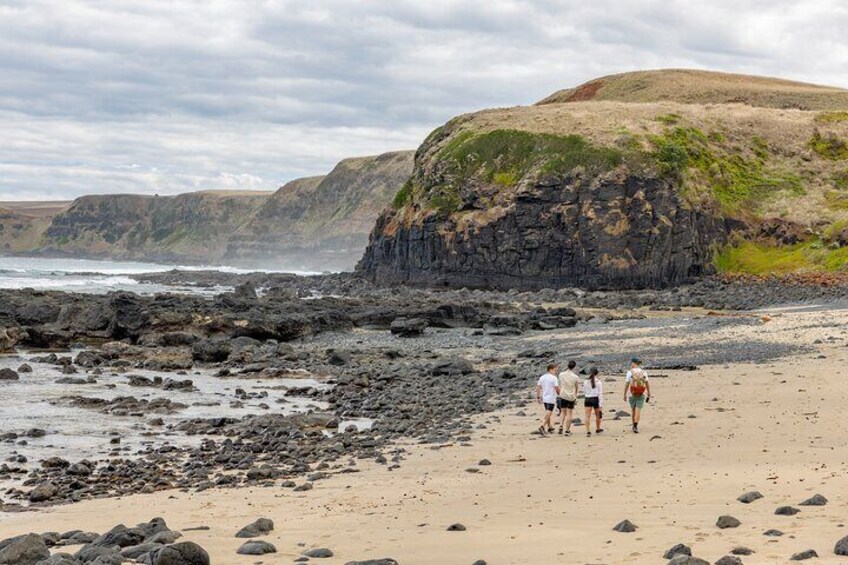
column 547, row 391
column 636, row 383
column 568, row 383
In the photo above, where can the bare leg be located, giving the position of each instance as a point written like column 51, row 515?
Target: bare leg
column 569, row 415
column 588, row 419
column 598, row 416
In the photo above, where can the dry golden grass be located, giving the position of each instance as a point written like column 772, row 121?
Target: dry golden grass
column 36, row 209
column 785, row 133
column 705, row 87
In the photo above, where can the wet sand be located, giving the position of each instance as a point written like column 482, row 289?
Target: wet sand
column 709, row 436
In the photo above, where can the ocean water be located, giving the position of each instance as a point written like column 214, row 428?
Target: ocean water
column 36, row 400
column 94, row 276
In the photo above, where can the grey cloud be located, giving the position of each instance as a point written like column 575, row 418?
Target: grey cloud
column 167, row 96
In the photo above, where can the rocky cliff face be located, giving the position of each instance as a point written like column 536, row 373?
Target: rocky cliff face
column 620, row 230
column 614, row 193
column 316, row 223
column 187, row 227
column 321, row 223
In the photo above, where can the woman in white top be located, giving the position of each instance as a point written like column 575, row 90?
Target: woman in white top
column 593, row 400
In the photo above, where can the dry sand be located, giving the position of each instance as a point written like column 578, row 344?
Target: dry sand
column 709, row 436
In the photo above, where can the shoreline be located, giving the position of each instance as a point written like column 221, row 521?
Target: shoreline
column 536, row 503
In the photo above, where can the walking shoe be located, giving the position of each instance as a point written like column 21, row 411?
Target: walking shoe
column 560, row 430
column 542, row 431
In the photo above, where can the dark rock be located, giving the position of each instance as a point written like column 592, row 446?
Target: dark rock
column 136, row 551
column 258, row 528
column 815, row 500
column 841, row 547
column 44, row 491
column 27, row 549
column 183, row 553
column 383, row 561
column 786, row 511
column 687, row 560
column 319, row 553
column 725, row 522
column 804, row 555
column 679, row 549
column 121, row 536
column 729, row 560
column 625, row 526
column 338, row 358
column 7, row 374
column 773, row 533
column 742, row 550
column 211, row 350
column 256, row 547
column 456, row 528
column 25, row 368
column 750, row 497
column 412, row 327
column 453, row 367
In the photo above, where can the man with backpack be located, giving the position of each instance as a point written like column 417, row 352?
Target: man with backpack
column 636, row 383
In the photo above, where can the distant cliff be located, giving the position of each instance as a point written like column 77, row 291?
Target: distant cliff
column 322, row 222
column 643, row 179
column 316, row 223
column 187, row 227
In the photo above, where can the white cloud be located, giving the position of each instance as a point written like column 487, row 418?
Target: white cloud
column 173, row 95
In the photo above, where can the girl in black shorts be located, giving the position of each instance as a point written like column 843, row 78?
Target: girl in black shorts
column 593, row 393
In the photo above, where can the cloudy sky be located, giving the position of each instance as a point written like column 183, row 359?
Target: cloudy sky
column 167, row 96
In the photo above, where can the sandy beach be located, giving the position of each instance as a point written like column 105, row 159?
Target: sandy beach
column 708, row 436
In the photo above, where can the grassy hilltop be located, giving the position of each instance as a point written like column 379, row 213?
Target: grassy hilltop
column 767, row 157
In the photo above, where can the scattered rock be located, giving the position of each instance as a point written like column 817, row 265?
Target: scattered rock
column 456, row 528
column 183, row 553
column 625, row 526
column 678, row 549
column 725, row 522
column 256, row 547
column 260, row 527
column 750, row 497
column 319, row 553
column 804, row 555
column 841, row 547
column 742, row 550
column 729, row 560
column 773, row 533
column 815, row 500
column 786, row 511
column 408, row 327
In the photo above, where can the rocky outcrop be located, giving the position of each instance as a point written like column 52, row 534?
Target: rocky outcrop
column 619, row 231
column 321, row 223
column 636, row 180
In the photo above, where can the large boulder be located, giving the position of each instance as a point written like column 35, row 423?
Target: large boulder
column 7, row 374
column 212, row 350
column 183, row 553
column 27, row 549
column 43, row 492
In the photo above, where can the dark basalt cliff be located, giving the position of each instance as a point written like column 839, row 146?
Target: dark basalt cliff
column 631, row 181
column 620, row 231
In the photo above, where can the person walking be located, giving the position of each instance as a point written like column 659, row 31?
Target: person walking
column 637, row 384
column 547, row 392
column 593, row 400
column 568, row 383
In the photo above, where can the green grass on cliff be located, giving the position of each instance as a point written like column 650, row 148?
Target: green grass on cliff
column 761, row 259
column 737, row 179
column 504, row 157
column 829, row 146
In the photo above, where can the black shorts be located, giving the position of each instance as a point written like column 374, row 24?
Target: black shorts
column 549, row 407
column 564, row 404
column 591, row 402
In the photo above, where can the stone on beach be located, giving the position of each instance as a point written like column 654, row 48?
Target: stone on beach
column 725, row 522
column 258, row 528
